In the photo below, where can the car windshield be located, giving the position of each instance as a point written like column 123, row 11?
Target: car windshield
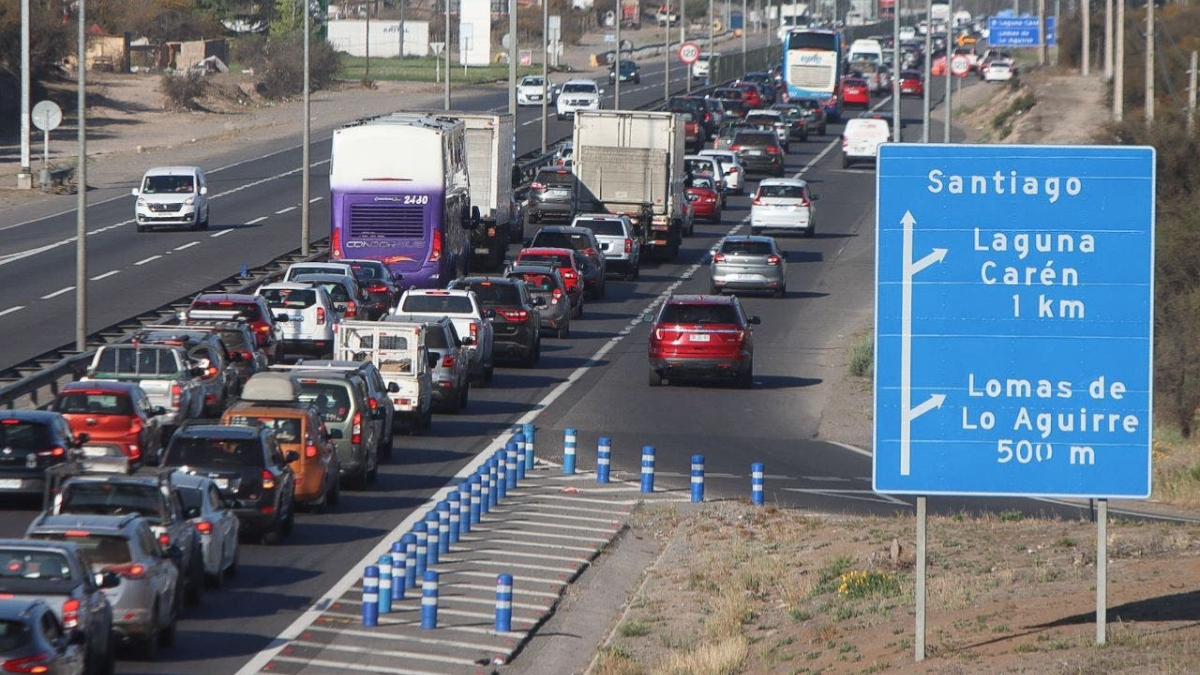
column 537, row 282
column 554, row 178
column 290, row 298
column 13, row 636
column 437, row 304
column 332, row 401
column 33, row 564
column 337, row 292
column 781, row 191
column 296, row 270
column 156, row 185
column 553, row 258
column 579, row 88
column 698, row 313
column 602, row 227
column 235, row 339
column 137, row 360
column 214, row 452
column 700, row 183
column 436, row 339
column 531, row 82
column 21, row 435
column 808, row 103
column 192, row 498
column 701, row 166
column 747, row 246
column 364, row 272
column 247, row 310
column 93, row 403
column 571, row 240
column 102, row 498
column 496, row 295
column 754, row 139
column 287, row 429
column 99, row 549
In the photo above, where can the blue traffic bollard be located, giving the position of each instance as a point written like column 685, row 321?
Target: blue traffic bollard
column 501, row 487
column 504, row 594
column 410, row 559
column 429, row 599
column 455, row 511
column 421, row 532
column 521, row 449
column 432, row 534
column 603, row 458
column 530, row 432
column 244, row 272
column 756, row 483
column 697, row 478
column 464, row 516
column 370, row 605
column 443, row 514
column 385, row 583
column 399, row 570
column 510, row 457
column 647, row 468
column 493, row 483
column 476, row 499
column 569, row 438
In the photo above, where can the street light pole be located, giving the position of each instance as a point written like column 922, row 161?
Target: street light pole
column 545, row 71
column 744, row 25
column 950, row 76
column 896, row 71
column 306, row 142
column 512, row 63
column 446, row 92
column 927, row 75
column 667, row 54
column 687, row 77
column 617, row 63
column 25, row 177
column 81, row 188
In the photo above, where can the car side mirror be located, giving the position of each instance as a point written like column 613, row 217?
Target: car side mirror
column 336, row 434
column 291, row 456
column 173, row 552
column 539, row 302
column 754, row 321
column 489, row 313
column 135, row 192
column 282, row 318
column 108, row 579
column 196, row 371
column 158, row 410
column 396, row 276
column 814, row 198
column 82, row 438
column 204, row 190
column 647, row 318
column 393, row 388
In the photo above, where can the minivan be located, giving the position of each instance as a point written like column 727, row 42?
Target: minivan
column 172, row 195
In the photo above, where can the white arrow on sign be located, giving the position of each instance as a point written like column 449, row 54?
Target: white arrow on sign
column 907, row 412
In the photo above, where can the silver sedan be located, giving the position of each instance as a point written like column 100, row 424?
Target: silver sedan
column 749, row 263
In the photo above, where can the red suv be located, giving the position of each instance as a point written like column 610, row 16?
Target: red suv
column 564, row 259
column 251, row 308
column 114, row 412
column 704, row 335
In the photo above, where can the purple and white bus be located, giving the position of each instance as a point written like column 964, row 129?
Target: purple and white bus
column 399, row 193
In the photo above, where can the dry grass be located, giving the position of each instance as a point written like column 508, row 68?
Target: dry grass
column 724, row 657
column 1176, row 468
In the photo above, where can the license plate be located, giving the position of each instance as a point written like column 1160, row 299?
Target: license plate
column 482, row 249
column 10, row 484
column 699, row 337
column 755, row 152
column 90, row 451
column 222, row 483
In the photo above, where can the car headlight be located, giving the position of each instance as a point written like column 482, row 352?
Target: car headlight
column 189, row 201
column 141, row 202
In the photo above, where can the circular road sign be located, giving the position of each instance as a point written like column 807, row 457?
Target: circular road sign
column 689, row 53
column 960, row 65
column 46, row 115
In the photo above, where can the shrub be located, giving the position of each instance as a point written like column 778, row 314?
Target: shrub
column 182, row 90
column 858, row 584
column 281, row 67
column 862, row 356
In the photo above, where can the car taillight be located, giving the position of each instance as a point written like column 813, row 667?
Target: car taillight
column 164, row 540
column 845, row 142
column 352, row 309
column 70, row 614
column 719, row 258
column 268, row 480
column 373, row 403
column 176, row 395
column 804, row 201
column 310, row 451
column 569, row 274
column 356, row 429
column 735, row 148
column 320, row 316
column 474, row 331
column 515, row 314
column 56, row 451
column 628, row 245
column 448, row 362
column 335, row 243
column 38, row 663
column 377, row 288
column 658, row 333
column 435, row 251
column 772, row 259
column 247, row 355
column 537, row 186
column 589, row 251
column 204, row 527
column 211, row 371
column 757, row 201
column 707, row 117
column 264, row 329
column 556, row 296
column 773, row 149
column 129, row 571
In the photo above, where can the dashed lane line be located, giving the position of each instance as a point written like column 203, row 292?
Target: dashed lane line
column 222, row 233
column 57, row 293
column 10, row 310
column 143, row 261
column 186, row 246
column 106, row 275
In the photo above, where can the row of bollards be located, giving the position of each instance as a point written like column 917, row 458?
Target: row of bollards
column 414, row 555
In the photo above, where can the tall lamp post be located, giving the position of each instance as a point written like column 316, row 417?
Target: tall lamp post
column 446, row 91
column 306, row 142
column 25, row 177
column 81, row 188
column 512, row 65
column 545, row 70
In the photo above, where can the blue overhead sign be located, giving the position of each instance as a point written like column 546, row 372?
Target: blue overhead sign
column 1013, row 31
column 1013, row 317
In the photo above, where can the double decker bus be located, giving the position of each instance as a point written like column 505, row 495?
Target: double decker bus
column 400, row 193
column 812, row 67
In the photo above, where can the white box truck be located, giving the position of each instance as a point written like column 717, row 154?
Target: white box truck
column 631, row 162
column 490, row 147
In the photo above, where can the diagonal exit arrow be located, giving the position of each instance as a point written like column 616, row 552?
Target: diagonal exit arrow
column 938, row 255
column 934, row 401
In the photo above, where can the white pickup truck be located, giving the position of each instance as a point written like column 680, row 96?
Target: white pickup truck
column 398, row 349
column 472, row 322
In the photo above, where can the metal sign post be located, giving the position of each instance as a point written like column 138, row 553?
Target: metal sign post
column 46, row 116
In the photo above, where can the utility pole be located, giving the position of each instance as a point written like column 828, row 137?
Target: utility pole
column 617, row 63
column 367, row 71
column 81, row 188
column 928, row 82
column 687, row 77
column 25, row 177
column 545, row 72
column 950, row 76
column 712, row 61
column 896, row 71
column 446, row 91
column 1057, row 19
column 306, row 141
column 1086, row 47
column 745, row 26
column 1149, row 62
column 666, row 54
column 1191, row 119
column 1042, row 32
column 1108, row 39
column 1119, row 66
column 402, row 3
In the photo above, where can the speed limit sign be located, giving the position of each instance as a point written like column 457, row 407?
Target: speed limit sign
column 960, row 65
column 689, row 53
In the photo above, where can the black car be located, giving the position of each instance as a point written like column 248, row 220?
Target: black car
column 814, row 112
column 758, row 151
column 550, row 195
column 766, row 84
column 34, row 640
column 380, row 284
column 33, row 441
column 630, row 72
column 699, row 111
column 247, row 465
column 734, row 101
column 515, row 316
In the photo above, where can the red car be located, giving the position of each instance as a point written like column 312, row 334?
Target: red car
column 691, row 131
column 703, row 335
column 750, row 93
column 912, row 83
column 233, row 306
column 564, row 260
column 702, row 193
column 113, row 412
column 938, row 66
column 855, row 91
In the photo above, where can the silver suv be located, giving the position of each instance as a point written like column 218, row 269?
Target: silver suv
column 312, row 317
column 751, row 263
column 619, row 244
column 146, row 604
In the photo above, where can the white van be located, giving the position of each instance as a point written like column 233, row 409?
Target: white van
column 861, row 139
column 172, row 195
column 866, row 50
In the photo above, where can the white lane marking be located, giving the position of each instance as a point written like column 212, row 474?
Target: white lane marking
column 383, row 652
column 314, row 200
column 143, row 261
column 12, row 257
column 864, row 495
column 280, row 212
column 386, row 620
column 399, row 637
column 530, row 544
column 59, row 292
column 187, row 245
column 507, row 564
column 106, row 275
column 222, row 233
column 256, row 220
column 851, row 448
column 342, row 666
column 10, row 310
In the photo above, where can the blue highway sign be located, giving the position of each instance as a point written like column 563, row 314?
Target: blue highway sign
column 1013, row 31
column 1013, row 318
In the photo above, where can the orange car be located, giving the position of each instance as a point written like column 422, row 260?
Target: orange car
column 114, row 412
column 298, row 426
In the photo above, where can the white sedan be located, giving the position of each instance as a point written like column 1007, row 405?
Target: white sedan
column 783, row 204
column 735, row 173
column 999, row 71
column 215, row 522
column 532, row 89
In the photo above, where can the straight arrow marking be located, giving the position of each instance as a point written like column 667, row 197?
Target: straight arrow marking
column 907, row 412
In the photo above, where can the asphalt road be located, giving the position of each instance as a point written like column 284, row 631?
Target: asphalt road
column 595, row 381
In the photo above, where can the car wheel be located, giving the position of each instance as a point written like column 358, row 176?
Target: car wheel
column 845, row 162
column 195, row 586
column 535, row 356
column 389, row 445
column 214, row 581
column 166, row 637
column 603, row 289
column 488, row 373
column 563, row 331
column 454, row 405
column 745, row 378
column 289, row 522
column 334, row 494
column 781, row 292
column 232, row 570
column 107, row 662
column 811, row 232
column 204, row 225
column 655, row 378
column 373, row 472
column 464, row 395
column 141, row 227
column 148, row 648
